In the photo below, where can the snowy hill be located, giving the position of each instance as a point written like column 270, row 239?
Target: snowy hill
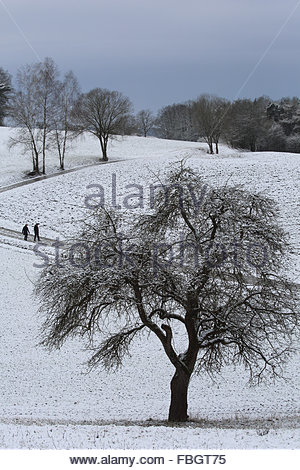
column 45, row 398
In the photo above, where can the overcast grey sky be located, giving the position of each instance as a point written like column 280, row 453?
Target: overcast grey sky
column 159, row 52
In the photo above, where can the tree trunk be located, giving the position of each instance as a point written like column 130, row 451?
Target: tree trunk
column 62, row 162
column 179, row 391
column 58, row 148
column 103, row 144
column 36, row 162
column 217, row 148
column 33, row 162
column 44, row 163
column 104, row 155
column 44, row 135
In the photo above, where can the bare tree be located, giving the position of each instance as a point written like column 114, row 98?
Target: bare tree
column 5, row 91
column 47, row 78
column 103, row 113
column 64, row 128
column 184, row 272
column 209, row 114
column 145, row 121
column 26, row 115
column 33, row 107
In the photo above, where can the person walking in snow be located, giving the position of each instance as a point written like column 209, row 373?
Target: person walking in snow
column 25, row 231
column 36, row 232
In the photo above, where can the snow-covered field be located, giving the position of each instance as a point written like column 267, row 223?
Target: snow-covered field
column 59, row 203
column 47, row 400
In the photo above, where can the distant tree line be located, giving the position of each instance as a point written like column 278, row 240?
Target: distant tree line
column 49, row 112
column 256, row 125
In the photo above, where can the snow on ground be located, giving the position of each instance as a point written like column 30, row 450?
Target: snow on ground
column 138, row 437
column 46, row 398
column 59, row 203
column 85, row 150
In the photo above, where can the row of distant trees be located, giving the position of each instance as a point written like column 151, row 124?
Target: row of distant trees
column 51, row 111
column 255, row 125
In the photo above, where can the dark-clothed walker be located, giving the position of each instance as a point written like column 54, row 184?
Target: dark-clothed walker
column 36, row 232
column 25, row 231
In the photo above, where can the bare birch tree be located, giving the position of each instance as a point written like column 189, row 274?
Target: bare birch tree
column 32, row 109
column 25, row 113
column 64, row 127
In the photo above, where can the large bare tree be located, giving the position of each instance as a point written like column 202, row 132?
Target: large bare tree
column 185, row 273
column 103, row 113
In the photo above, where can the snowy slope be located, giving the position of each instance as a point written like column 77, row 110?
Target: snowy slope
column 60, row 203
column 46, row 398
column 46, row 395
column 85, row 150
